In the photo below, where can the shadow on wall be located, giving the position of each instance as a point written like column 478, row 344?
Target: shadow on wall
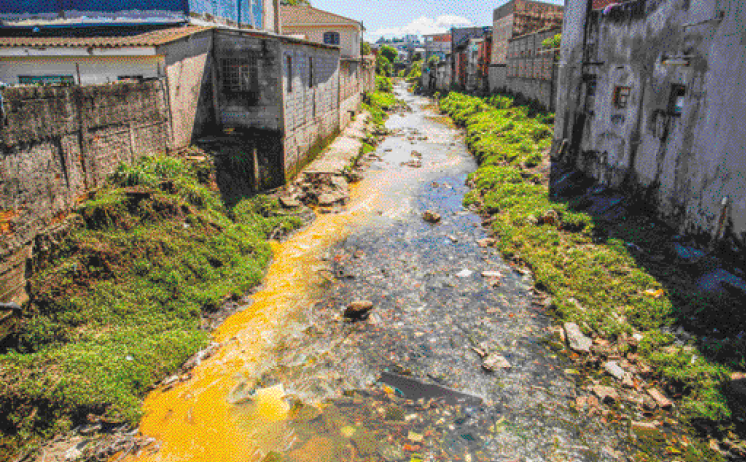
column 246, row 162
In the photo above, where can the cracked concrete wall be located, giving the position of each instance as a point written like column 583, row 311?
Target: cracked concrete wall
column 686, row 159
column 56, row 144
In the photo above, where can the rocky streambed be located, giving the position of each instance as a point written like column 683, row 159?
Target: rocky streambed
column 387, row 333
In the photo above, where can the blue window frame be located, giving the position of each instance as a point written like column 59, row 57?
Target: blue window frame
column 331, row 38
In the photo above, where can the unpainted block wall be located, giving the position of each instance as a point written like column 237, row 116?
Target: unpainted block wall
column 350, row 90
column 57, row 143
column 311, row 110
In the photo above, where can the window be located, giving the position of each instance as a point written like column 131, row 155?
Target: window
column 331, row 38
column 621, row 97
column 676, row 102
column 241, row 78
column 46, row 80
column 289, row 72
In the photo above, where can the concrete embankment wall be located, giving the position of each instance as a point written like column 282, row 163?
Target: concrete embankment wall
column 58, row 143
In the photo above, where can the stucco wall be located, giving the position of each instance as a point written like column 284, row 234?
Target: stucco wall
column 57, row 143
column 311, row 111
column 93, row 70
column 349, row 36
column 689, row 164
column 188, row 66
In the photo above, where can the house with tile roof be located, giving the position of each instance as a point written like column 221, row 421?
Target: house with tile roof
column 321, row 26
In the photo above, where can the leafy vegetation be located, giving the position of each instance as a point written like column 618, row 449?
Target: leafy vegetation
column 384, row 67
column 365, row 49
column 390, row 53
column 552, row 42
column 117, row 303
column 585, row 265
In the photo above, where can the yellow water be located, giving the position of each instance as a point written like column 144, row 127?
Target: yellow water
column 194, row 421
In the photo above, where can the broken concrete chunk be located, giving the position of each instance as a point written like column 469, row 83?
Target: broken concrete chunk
column 660, row 398
column 431, row 217
column 605, row 394
column 494, row 362
column 290, row 202
column 484, row 243
column 358, row 309
column 576, row 339
column 491, row 274
column 327, row 199
column 612, row 367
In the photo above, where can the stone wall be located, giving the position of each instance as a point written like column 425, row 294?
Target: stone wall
column 651, row 99
column 56, row 144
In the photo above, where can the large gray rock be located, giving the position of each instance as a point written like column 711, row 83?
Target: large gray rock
column 576, row 339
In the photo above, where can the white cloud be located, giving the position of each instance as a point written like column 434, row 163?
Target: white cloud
column 422, row 26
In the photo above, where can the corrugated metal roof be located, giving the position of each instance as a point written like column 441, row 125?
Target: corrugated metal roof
column 308, row 15
column 145, row 39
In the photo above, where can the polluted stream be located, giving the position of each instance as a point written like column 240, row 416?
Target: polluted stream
column 449, row 364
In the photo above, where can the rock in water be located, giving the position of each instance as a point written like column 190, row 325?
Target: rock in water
column 576, row 339
column 431, row 217
column 358, row 309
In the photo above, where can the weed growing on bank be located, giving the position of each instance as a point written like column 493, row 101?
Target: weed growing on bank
column 593, row 278
column 381, row 101
column 117, row 301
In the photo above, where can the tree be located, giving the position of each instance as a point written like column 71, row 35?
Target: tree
column 383, row 66
column 294, row 2
column 389, row 53
column 365, row 48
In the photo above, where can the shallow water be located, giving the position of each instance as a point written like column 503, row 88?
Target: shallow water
column 295, row 381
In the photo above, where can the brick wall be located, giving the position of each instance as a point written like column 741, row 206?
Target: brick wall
column 56, row 143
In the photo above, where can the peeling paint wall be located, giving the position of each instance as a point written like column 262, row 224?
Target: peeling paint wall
column 56, row 144
column 652, row 98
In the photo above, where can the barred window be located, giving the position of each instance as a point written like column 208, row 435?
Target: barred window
column 241, row 77
column 331, row 38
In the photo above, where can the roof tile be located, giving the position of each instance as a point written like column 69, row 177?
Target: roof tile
column 145, row 39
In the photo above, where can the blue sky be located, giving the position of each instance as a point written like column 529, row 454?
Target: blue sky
column 397, row 17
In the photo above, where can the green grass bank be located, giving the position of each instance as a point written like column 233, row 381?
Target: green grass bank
column 119, row 296
column 585, row 264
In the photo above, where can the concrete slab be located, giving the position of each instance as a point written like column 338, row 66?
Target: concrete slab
column 342, row 150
